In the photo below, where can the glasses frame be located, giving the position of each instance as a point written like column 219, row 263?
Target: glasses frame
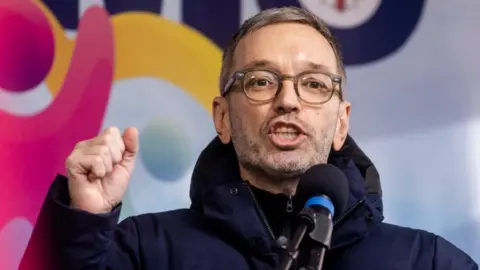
column 239, row 76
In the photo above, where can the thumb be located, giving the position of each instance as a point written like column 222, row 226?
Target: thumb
column 130, row 139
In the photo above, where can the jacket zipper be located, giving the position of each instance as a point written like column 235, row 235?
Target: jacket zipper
column 349, row 212
column 289, row 209
column 260, row 211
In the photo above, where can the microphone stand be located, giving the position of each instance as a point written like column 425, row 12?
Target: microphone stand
column 317, row 222
column 307, row 223
column 317, row 254
column 322, row 236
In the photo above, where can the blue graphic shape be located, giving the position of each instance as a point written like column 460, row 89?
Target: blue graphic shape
column 165, row 149
column 382, row 35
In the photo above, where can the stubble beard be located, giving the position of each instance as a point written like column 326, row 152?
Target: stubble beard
column 278, row 165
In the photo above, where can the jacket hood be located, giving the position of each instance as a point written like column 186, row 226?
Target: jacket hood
column 216, row 175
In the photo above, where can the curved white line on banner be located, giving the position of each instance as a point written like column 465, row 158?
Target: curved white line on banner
column 26, row 103
column 14, row 238
column 172, row 10
column 248, row 8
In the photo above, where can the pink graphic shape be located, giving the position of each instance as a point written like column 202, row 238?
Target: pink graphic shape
column 27, row 45
column 33, row 149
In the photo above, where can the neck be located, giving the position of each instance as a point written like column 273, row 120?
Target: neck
column 274, row 185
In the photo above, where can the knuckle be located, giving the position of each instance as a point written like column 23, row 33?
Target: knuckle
column 72, row 159
column 104, row 139
column 79, row 144
column 104, row 150
column 117, row 157
column 98, row 160
column 69, row 161
column 112, row 131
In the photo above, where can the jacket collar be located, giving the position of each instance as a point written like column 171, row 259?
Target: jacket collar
column 365, row 207
column 220, row 194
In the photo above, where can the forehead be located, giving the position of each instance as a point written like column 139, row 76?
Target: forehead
column 285, row 47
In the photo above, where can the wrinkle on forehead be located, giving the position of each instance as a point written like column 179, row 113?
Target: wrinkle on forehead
column 288, row 48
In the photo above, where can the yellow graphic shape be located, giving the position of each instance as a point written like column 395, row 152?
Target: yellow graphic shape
column 148, row 45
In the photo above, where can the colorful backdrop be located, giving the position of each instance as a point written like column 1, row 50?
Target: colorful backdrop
column 71, row 68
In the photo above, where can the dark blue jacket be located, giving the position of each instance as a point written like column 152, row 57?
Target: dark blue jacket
column 224, row 229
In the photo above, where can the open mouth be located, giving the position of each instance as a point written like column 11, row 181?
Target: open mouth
column 286, row 132
column 285, row 135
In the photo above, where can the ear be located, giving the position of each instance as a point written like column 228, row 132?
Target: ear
column 221, row 119
column 343, row 124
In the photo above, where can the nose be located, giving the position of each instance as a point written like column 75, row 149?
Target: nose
column 287, row 100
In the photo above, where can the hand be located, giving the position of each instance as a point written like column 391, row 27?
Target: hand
column 99, row 170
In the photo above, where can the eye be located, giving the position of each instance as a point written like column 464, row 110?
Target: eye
column 314, row 84
column 259, row 83
column 316, row 81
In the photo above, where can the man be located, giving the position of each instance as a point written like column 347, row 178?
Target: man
column 281, row 111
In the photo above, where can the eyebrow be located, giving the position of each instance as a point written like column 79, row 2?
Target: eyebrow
column 318, row 67
column 269, row 64
column 259, row 64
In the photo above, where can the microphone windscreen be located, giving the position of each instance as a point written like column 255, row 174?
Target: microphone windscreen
column 327, row 180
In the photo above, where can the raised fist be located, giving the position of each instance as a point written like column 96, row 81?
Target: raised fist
column 99, row 170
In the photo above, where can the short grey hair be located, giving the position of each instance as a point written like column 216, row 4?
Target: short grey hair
column 275, row 16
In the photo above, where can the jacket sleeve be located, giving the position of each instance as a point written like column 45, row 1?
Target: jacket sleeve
column 66, row 238
column 449, row 257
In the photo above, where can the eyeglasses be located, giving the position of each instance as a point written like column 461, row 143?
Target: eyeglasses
column 263, row 85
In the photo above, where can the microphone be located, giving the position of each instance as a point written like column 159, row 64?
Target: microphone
column 324, row 189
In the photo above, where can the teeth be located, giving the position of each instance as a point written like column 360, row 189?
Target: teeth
column 285, row 130
column 285, row 135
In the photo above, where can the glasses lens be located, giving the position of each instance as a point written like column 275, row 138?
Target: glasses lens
column 260, row 85
column 315, row 87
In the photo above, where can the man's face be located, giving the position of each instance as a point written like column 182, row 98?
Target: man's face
column 286, row 136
